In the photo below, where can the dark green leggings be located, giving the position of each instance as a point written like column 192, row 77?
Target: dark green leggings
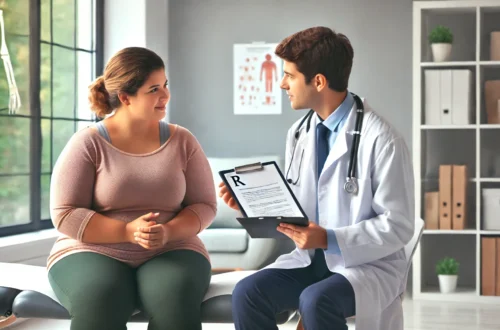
column 101, row 293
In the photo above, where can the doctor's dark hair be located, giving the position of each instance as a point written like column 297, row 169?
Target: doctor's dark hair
column 319, row 50
column 125, row 73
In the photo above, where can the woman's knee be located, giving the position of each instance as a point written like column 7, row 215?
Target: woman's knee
column 109, row 291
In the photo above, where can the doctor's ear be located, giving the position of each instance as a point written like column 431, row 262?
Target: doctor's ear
column 320, row 82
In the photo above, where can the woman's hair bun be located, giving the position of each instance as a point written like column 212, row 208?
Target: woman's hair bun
column 99, row 98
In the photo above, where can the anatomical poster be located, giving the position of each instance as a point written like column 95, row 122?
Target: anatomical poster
column 257, row 75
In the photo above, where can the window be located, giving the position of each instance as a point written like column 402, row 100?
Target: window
column 55, row 51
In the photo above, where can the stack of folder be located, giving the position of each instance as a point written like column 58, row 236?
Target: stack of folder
column 490, row 266
column 446, row 208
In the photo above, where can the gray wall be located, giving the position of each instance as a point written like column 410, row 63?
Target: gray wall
column 201, row 37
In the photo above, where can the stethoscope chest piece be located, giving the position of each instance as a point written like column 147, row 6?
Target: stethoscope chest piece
column 351, row 186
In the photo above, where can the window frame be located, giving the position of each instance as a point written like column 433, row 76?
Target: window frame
column 35, row 29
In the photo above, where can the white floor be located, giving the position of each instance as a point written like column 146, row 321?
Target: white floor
column 418, row 316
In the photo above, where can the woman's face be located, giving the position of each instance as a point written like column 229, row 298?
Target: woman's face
column 152, row 97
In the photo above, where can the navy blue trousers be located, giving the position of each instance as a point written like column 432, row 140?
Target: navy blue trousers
column 324, row 299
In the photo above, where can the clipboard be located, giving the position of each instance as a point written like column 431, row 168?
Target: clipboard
column 264, row 226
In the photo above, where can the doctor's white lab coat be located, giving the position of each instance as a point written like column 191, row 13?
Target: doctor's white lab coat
column 371, row 227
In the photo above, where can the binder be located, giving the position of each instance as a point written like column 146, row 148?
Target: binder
column 488, row 267
column 497, row 273
column 459, row 197
column 262, row 226
column 491, row 97
column 431, row 216
column 446, row 97
column 445, row 207
column 461, row 104
column 432, row 97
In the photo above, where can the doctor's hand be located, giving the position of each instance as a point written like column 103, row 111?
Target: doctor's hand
column 310, row 237
column 227, row 197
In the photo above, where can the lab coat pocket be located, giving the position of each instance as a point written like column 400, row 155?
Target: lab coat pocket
column 361, row 203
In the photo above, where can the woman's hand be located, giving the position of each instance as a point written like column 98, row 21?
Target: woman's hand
column 152, row 237
column 133, row 226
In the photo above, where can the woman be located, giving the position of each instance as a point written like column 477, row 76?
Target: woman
column 129, row 196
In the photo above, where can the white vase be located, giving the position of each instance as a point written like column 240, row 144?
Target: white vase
column 441, row 52
column 447, row 283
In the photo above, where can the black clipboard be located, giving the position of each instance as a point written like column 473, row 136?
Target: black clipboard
column 264, row 226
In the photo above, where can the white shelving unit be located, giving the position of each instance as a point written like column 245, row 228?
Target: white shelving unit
column 471, row 22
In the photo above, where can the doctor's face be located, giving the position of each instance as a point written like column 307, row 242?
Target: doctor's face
column 300, row 94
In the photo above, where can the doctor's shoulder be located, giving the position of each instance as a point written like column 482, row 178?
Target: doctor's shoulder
column 381, row 134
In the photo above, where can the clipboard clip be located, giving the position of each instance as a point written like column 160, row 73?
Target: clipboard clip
column 248, row 168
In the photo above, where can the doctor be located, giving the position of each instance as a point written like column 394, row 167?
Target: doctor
column 350, row 260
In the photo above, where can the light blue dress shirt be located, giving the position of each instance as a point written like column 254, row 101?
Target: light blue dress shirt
column 334, row 122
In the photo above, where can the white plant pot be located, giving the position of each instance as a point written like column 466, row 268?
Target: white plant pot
column 441, row 52
column 447, row 283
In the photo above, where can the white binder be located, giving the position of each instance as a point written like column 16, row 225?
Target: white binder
column 446, row 97
column 462, row 97
column 432, row 97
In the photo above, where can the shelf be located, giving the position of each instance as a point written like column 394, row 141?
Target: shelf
column 492, row 180
column 490, row 63
column 473, row 143
column 490, row 232
column 453, row 64
column 460, row 291
column 461, row 294
column 489, row 126
column 435, row 179
column 472, row 126
column 447, row 64
column 450, row 231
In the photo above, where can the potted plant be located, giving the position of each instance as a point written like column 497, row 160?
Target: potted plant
column 447, row 271
column 441, row 40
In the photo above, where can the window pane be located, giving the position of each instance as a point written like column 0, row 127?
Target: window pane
column 45, row 207
column 14, row 200
column 63, row 97
column 62, row 132
column 46, row 146
column 85, row 21
column 14, row 93
column 45, row 9
column 85, row 77
column 45, row 88
column 63, row 22
column 14, row 145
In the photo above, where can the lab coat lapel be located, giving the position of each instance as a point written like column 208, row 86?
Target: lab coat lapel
column 309, row 187
column 340, row 147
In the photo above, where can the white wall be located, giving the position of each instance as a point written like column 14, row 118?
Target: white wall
column 124, row 25
column 142, row 23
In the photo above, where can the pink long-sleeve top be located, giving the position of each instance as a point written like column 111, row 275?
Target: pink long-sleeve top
column 92, row 176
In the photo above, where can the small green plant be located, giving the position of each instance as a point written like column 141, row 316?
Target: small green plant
column 441, row 34
column 447, row 266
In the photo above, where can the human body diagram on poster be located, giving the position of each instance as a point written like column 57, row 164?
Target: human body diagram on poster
column 257, row 73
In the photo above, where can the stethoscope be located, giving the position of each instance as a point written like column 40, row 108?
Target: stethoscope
column 351, row 185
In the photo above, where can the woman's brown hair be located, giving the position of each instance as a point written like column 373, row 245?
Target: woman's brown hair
column 125, row 73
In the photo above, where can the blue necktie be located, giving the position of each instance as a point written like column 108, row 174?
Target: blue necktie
column 318, row 263
column 323, row 149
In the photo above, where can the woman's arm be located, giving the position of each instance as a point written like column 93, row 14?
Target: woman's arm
column 200, row 199
column 71, row 195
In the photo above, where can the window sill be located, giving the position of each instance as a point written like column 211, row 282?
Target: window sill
column 28, row 237
column 31, row 247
